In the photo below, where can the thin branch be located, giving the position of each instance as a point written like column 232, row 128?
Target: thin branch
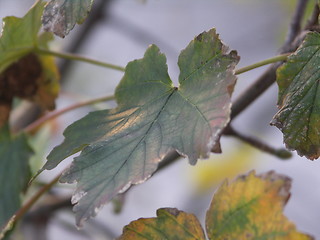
column 48, row 209
column 269, row 76
column 26, row 207
column 76, row 57
column 97, row 15
column 280, row 153
column 56, row 114
column 254, row 91
column 295, row 25
column 313, row 22
column 278, row 58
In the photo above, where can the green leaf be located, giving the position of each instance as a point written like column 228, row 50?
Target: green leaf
column 14, row 173
column 19, row 36
column 23, row 73
column 251, row 208
column 123, row 146
column 169, row 224
column 60, row 16
column 299, row 99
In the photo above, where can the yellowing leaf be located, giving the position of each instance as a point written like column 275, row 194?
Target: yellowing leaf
column 23, row 73
column 299, row 99
column 251, row 208
column 170, row 223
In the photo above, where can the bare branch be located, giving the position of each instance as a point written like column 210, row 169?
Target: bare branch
column 295, row 25
column 280, row 153
column 313, row 22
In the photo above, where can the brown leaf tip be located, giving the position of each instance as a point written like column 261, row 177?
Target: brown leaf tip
column 173, row 211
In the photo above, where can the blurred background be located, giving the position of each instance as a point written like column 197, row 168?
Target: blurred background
column 119, row 32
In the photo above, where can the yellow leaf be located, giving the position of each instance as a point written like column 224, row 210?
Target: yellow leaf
column 169, row 224
column 211, row 172
column 251, row 208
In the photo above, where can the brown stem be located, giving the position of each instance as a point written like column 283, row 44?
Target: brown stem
column 26, row 207
column 295, row 25
column 53, row 115
column 269, row 76
column 48, row 209
column 280, row 153
column 313, row 22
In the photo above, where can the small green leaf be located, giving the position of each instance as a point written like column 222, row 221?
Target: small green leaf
column 19, row 36
column 23, row 73
column 123, row 146
column 170, row 223
column 14, row 173
column 60, row 16
column 299, row 99
column 251, row 208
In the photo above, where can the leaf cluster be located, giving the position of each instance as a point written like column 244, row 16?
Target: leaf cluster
column 125, row 145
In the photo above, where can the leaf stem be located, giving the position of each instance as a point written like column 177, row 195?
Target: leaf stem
column 53, row 115
column 278, row 58
column 76, row 57
column 25, row 208
column 262, row 146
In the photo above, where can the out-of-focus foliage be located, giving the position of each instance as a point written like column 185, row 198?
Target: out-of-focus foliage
column 60, row 16
column 24, row 73
column 240, row 158
column 14, row 173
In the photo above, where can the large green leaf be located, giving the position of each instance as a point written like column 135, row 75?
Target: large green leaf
column 299, row 99
column 14, row 173
column 24, row 73
column 60, row 16
column 123, row 146
column 170, row 223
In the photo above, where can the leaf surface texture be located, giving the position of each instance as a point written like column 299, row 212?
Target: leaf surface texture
column 251, row 207
column 123, row 146
column 170, row 223
column 299, row 99
column 60, row 16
